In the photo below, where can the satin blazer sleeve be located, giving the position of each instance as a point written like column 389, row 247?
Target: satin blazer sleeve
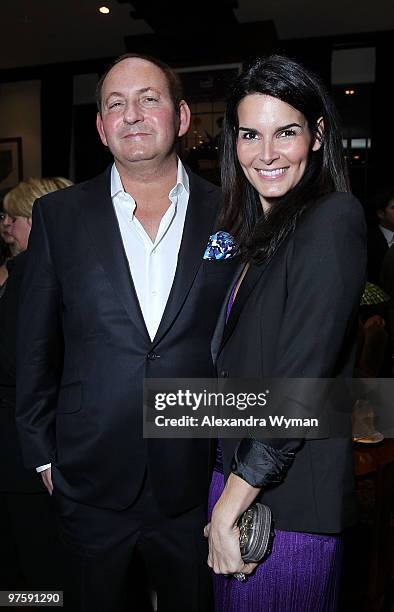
column 326, row 265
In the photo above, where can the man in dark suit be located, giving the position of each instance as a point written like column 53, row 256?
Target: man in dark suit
column 380, row 233
column 116, row 289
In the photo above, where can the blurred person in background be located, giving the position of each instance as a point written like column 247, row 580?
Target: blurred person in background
column 380, row 232
column 7, row 245
column 6, row 222
column 4, row 255
column 27, row 559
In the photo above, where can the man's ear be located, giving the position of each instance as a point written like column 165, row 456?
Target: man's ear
column 100, row 129
column 319, row 134
column 380, row 214
column 184, row 118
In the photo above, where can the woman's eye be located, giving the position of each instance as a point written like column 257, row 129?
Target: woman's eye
column 286, row 133
column 248, row 135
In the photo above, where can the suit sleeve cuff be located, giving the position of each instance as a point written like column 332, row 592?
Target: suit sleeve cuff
column 260, row 465
column 41, row 468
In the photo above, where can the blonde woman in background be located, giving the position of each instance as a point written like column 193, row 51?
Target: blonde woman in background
column 30, row 552
column 7, row 246
column 18, row 204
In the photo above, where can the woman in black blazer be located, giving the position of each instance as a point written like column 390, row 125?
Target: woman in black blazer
column 292, row 314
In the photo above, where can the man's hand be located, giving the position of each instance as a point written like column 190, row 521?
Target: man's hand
column 46, row 476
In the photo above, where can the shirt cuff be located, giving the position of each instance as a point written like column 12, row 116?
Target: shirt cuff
column 41, row 468
column 260, row 465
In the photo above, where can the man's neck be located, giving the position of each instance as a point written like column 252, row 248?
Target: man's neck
column 150, row 188
column 147, row 182
column 386, row 227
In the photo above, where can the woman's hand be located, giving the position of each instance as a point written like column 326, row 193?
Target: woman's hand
column 223, row 534
column 224, row 552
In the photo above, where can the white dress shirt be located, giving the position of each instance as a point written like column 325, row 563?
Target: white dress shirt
column 388, row 234
column 152, row 264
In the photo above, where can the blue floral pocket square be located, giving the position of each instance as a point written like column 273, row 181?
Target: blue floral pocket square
column 221, row 245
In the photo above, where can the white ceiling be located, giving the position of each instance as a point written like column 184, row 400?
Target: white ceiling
column 48, row 31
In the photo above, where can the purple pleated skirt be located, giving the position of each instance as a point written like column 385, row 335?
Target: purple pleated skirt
column 301, row 575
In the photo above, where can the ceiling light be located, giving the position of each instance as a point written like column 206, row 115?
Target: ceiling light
column 349, row 92
column 104, row 10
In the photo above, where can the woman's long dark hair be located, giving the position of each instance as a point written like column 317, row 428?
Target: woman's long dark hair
column 258, row 235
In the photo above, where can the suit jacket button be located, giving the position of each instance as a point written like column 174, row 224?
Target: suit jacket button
column 224, row 374
column 153, row 356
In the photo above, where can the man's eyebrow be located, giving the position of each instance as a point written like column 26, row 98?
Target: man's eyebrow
column 139, row 91
column 114, row 93
column 119, row 94
column 145, row 89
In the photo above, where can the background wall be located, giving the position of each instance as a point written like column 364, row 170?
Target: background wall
column 20, row 115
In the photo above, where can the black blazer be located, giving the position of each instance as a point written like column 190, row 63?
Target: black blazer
column 13, row 476
column 377, row 248
column 84, row 350
column 297, row 317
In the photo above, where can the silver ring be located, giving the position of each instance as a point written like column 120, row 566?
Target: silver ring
column 240, row 576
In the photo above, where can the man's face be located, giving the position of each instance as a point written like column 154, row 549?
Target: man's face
column 386, row 216
column 138, row 121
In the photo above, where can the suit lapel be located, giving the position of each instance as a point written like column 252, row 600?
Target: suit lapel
column 248, row 284
column 102, row 225
column 200, row 217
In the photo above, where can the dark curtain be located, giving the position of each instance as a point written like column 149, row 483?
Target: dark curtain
column 90, row 156
column 314, row 53
column 382, row 110
column 56, row 123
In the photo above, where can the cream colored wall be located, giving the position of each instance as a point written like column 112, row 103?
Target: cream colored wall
column 20, row 116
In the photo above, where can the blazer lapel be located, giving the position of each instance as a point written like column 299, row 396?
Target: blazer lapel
column 200, row 217
column 248, row 284
column 102, row 225
column 220, row 325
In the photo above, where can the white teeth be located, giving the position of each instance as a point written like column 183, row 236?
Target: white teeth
column 270, row 173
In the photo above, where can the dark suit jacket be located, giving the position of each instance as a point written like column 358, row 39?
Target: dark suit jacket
column 386, row 281
column 84, row 350
column 13, row 476
column 377, row 249
column 297, row 318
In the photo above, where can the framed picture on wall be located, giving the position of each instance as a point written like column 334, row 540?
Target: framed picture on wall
column 11, row 163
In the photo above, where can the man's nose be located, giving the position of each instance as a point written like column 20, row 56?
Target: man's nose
column 268, row 152
column 133, row 112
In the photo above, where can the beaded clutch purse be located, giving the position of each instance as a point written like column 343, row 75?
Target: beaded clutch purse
column 256, row 533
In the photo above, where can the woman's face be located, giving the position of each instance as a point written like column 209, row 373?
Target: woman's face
column 20, row 232
column 6, row 222
column 273, row 145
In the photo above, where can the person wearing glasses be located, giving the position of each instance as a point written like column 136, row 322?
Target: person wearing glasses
column 7, row 247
